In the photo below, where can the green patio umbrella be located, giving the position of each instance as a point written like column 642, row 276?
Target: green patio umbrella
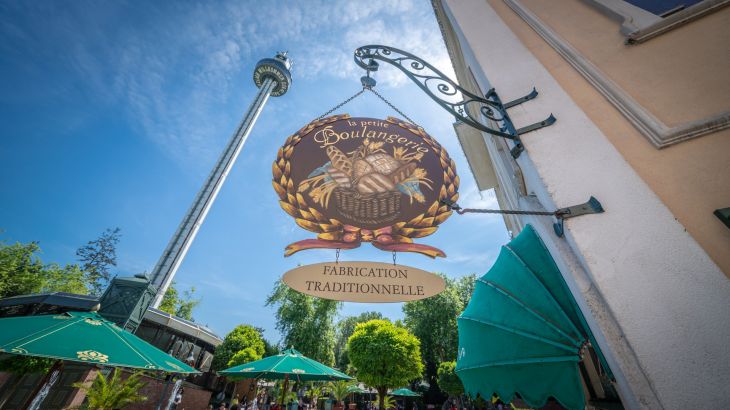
column 83, row 337
column 356, row 389
column 285, row 365
column 404, row 392
column 522, row 332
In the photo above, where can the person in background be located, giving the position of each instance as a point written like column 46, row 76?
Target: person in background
column 221, row 396
column 178, row 399
column 234, row 405
column 222, row 406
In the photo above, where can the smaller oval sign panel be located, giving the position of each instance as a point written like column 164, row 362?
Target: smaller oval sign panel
column 370, row 282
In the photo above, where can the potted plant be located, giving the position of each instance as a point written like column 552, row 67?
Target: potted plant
column 113, row 393
column 339, row 392
column 313, row 394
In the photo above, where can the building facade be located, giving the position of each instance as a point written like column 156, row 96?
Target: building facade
column 185, row 340
column 642, row 101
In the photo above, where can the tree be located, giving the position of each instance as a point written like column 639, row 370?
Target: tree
column 242, row 337
column 20, row 269
column 180, row 306
column 113, row 393
column 345, row 329
column 22, row 272
column 69, row 278
column 246, row 355
column 97, row 257
column 449, row 381
column 384, row 355
column 465, row 288
column 270, row 349
column 305, row 322
column 433, row 321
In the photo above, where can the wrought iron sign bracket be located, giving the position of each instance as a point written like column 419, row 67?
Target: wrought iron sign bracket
column 593, row 206
column 450, row 96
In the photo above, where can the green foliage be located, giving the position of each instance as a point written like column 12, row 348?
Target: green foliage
column 289, row 396
column 22, row 272
column 306, row 322
column 69, row 278
column 388, row 402
column 20, row 269
column 97, row 257
column 465, row 288
column 270, row 349
column 180, row 306
column 241, row 338
column 246, row 355
column 345, row 329
column 338, row 389
column 25, row 364
column 313, row 393
column 113, row 393
column 433, row 321
column 448, row 381
column 385, row 355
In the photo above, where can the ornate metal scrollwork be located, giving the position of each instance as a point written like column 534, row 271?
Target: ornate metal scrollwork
column 448, row 94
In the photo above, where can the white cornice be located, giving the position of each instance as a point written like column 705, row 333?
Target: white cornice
column 673, row 21
column 658, row 133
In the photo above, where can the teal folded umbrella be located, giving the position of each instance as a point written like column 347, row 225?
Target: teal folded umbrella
column 522, row 332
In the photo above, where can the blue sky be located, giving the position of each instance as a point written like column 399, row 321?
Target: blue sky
column 113, row 113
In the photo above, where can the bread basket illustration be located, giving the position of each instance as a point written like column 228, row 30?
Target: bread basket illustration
column 369, row 183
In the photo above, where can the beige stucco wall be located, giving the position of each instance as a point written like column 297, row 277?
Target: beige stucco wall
column 681, row 76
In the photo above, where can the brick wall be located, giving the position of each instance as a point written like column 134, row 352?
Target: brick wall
column 194, row 398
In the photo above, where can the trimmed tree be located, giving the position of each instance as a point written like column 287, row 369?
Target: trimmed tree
column 384, row 355
column 449, row 381
column 345, row 329
column 244, row 339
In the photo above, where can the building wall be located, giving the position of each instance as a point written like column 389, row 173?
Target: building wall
column 194, row 398
column 679, row 77
column 654, row 299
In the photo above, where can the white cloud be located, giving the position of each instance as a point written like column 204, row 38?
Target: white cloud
column 178, row 75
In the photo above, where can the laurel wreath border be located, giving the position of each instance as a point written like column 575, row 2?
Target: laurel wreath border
column 309, row 218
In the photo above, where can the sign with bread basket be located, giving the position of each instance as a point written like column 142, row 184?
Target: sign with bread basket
column 353, row 180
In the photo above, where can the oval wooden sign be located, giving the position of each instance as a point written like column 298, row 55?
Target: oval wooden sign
column 371, row 282
column 353, row 179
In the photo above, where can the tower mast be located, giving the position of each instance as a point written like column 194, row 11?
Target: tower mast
column 273, row 78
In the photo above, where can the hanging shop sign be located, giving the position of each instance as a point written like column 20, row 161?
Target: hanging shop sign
column 371, row 282
column 353, row 180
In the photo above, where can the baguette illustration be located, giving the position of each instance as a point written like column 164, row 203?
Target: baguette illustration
column 361, row 168
column 374, row 182
column 339, row 177
column 402, row 173
column 339, row 160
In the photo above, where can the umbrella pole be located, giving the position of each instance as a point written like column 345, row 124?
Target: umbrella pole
column 283, row 390
column 57, row 366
